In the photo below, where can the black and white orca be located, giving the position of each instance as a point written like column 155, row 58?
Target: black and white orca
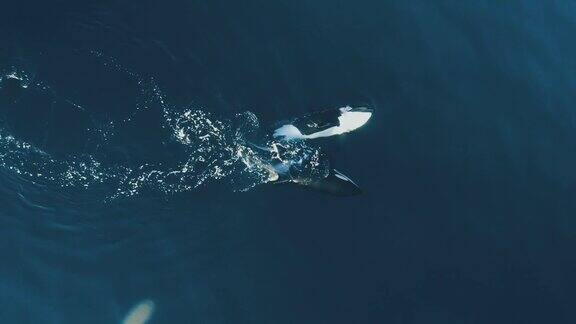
column 312, row 170
column 324, row 123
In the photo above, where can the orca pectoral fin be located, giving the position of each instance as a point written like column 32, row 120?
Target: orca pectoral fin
column 336, row 184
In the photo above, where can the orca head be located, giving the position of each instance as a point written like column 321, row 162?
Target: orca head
column 353, row 118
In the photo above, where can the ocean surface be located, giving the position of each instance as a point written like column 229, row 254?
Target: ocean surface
column 124, row 199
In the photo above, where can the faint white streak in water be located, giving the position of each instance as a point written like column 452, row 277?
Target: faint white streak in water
column 141, row 313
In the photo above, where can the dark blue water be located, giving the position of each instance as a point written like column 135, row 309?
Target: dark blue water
column 467, row 167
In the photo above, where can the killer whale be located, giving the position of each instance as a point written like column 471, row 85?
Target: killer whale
column 324, row 123
column 286, row 154
column 306, row 166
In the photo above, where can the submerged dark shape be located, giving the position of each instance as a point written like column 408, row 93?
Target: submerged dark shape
column 292, row 161
column 336, row 184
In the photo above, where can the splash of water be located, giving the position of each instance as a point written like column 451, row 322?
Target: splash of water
column 215, row 150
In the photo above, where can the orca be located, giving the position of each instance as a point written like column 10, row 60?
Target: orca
column 292, row 161
column 324, row 123
column 336, row 184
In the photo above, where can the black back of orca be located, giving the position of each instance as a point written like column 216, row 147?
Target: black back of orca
column 335, row 184
column 317, row 121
